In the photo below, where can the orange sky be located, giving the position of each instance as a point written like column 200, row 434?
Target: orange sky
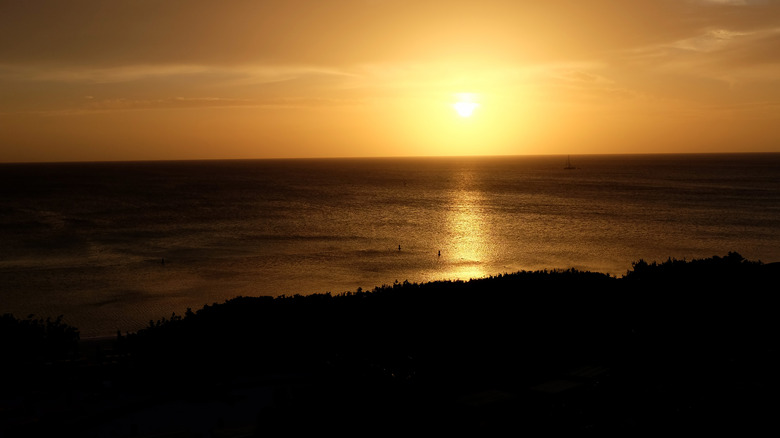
column 196, row 79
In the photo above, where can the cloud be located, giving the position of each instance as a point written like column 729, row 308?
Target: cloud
column 710, row 41
column 137, row 73
column 61, row 89
column 174, row 102
column 339, row 33
column 731, row 57
column 731, row 2
column 71, row 74
column 208, row 102
column 186, row 32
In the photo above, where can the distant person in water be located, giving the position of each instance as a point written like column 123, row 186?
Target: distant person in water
column 439, row 253
column 399, row 247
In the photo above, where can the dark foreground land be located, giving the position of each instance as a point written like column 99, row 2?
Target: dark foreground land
column 680, row 346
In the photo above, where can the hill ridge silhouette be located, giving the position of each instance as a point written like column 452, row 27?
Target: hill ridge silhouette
column 699, row 333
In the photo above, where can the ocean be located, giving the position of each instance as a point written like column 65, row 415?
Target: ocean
column 111, row 246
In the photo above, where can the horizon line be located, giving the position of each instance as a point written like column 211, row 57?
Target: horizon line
column 369, row 157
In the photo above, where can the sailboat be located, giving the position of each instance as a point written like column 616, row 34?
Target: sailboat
column 568, row 164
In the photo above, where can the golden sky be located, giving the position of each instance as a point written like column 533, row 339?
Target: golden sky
column 197, row 79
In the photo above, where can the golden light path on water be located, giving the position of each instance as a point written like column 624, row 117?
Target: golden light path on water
column 468, row 230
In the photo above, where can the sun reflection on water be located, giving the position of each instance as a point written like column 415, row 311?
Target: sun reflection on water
column 468, row 231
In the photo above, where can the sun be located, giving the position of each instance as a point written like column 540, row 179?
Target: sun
column 466, row 104
column 465, row 109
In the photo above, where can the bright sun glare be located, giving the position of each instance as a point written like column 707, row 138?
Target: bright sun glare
column 465, row 109
column 466, row 104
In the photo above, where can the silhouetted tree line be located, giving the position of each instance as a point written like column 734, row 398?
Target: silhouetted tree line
column 512, row 328
column 437, row 329
column 31, row 341
column 702, row 329
column 32, row 348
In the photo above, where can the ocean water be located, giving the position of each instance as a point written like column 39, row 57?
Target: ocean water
column 113, row 245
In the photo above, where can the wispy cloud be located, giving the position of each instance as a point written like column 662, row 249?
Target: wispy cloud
column 731, row 2
column 725, row 55
column 207, row 102
column 134, row 73
column 174, row 102
column 710, row 41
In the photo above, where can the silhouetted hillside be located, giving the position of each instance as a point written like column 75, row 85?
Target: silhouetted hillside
column 32, row 343
column 684, row 344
